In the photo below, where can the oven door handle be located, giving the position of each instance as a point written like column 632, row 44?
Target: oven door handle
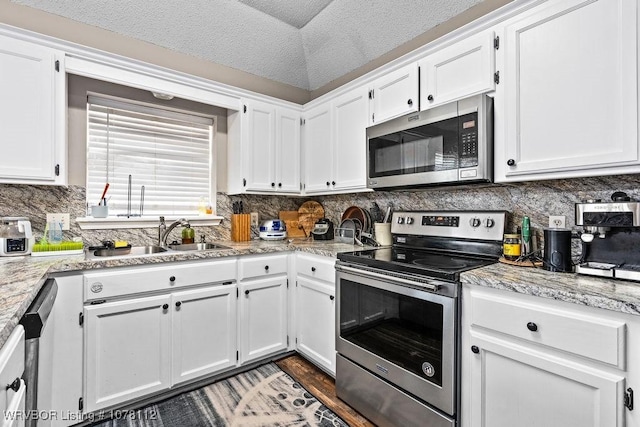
column 428, row 285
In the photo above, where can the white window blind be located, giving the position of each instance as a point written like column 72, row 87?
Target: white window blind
column 167, row 152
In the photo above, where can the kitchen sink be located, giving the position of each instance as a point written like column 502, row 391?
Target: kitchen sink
column 133, row 251
column 197, row 247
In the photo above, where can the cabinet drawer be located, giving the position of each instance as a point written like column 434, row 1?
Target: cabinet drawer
column 113, row 283
column 318, row 267
column 266, row 265
column 586, row 335
column 11, row 369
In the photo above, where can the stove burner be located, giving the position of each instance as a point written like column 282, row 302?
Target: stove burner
column 442, row 262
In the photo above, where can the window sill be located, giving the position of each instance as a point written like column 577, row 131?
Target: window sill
column 90, row 223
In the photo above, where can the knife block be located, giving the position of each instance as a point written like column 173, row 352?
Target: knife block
column 241, row 227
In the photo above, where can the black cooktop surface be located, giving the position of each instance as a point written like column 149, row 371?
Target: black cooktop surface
column 422, row 262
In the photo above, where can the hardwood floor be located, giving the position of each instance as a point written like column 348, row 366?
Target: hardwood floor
column 321, row 386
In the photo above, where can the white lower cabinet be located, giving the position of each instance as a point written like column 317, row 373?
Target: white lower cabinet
column 263, row 328
column 136, row 345
column 127, row 350
column 514, row 385
column 203, row 331
column 144, row 345
column 12, row 392
column 517, row 372
column 315, row 310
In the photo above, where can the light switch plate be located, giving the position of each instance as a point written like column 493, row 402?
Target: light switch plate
column 59, row 218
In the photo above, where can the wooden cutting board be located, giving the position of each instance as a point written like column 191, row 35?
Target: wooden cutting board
column 290, row 219
column 308, row 213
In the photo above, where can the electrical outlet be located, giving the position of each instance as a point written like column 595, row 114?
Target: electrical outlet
column 557, row 221
column 254, row 219
column 59, row 218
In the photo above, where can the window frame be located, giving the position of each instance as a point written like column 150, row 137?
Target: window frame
column 149, row 221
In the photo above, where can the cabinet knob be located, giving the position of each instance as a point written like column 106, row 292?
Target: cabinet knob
column 328, row 183
column 178, row 304
column 333, row 183
column 532, row 327
column 313, row 269
column 279, row 184
column 331, row 297
column 410, row 102
column 15, row 385
column 172, row 278
column 246, row 292
column 266, row 268
column 475, row 349
column 273, row 184
column 511, row 162
column 430, row 98
column 165, row 306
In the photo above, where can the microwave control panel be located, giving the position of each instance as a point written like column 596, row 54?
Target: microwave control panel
column 468, row 140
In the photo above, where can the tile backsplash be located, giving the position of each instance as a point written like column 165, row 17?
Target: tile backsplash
column 537, row 199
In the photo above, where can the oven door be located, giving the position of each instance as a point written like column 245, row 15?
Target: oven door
column 406, row 336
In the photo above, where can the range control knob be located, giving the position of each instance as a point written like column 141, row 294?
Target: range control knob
column 489, row 222
column 475, row 222
column 409, row 220
column 400, row 220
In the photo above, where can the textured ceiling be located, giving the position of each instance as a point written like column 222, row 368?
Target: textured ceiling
column 303, row 43
column 293, row 12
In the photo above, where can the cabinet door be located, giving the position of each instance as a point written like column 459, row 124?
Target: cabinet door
column 263, row 318
column 350, row 124
column 127, row 350
column 571, row 90
column 288, row 151
column 395, row 94
column 514, row 385
column 458, row 71
column 27, row 112
column 315, row 322
column 203, row 331
column 318, row 149
column 260, row 153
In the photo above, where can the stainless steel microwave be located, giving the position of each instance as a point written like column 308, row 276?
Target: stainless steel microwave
column 449, row 144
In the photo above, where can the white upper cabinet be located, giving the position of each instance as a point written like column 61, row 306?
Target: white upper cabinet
column 264, row 149
column 318, row 149
column 335, row 144
column 463, row 69
column 570, row 101
column 32, row 113
column 260, row 153
column 288, row 159
column 350, row 116
column 394, row 94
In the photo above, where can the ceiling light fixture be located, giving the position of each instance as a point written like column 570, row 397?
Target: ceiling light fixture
column 163, row 96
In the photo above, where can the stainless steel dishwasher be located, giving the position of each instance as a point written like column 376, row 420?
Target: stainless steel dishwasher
column 34, row 322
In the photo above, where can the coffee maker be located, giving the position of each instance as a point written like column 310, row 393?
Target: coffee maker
column 610, row 237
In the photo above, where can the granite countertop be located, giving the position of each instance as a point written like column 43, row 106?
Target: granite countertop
column 21, row 278
column 609, row 294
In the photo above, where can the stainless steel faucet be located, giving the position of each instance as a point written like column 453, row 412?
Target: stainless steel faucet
column 163, row 230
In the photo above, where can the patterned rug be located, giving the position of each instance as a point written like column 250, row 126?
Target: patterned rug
column 265, row 396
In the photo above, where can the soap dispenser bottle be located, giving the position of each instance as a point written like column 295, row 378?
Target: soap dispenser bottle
column 188, row 235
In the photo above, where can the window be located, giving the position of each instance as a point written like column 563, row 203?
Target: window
column 166, row 154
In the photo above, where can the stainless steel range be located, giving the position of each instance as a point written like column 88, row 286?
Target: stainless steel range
column 397, row 316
